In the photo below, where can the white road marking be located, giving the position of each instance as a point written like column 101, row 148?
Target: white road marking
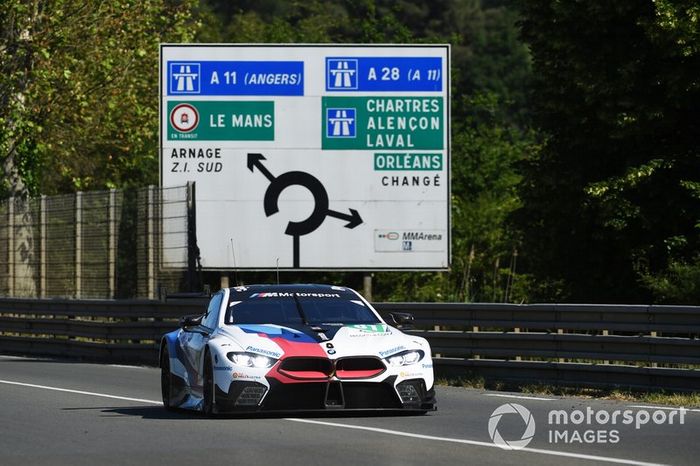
column 668, row 408
column 520, row 397
column 23, row 357
column 605, row 459
column 80, row 392
column 125, row 366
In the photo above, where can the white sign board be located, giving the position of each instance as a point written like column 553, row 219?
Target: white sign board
column 311, row 156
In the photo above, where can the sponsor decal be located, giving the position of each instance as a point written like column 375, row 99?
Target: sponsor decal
column 427, row 366
column 271, row 294
column 242, row 375
column 275, row 294
column 264, row 352
column 371, row 329
column 394, row 350
column 317, row 295
column 409, row 374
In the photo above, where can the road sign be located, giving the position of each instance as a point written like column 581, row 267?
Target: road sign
column 311, row 157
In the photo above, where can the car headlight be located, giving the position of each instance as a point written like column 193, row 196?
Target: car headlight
column 251, row 360
column 405, row 358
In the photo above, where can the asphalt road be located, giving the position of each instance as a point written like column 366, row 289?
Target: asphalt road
column 60, row 412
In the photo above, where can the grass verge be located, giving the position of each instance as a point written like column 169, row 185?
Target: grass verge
column 686, row 400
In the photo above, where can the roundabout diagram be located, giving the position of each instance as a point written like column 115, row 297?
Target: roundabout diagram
column 321, row 202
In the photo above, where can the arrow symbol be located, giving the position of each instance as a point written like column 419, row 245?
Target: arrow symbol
column 255, row 160
column 298, row 178
column 353, row 218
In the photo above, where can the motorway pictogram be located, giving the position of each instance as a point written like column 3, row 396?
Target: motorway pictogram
column 321, row 202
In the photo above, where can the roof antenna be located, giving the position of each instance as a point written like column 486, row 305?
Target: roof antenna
column 278, row 270
column 233, row 253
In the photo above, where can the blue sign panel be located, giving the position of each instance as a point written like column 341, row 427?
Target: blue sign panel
column 384, row 74
column 235, row 78
column 340, row 122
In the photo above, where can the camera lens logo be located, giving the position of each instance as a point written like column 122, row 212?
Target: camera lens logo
column 524, row 413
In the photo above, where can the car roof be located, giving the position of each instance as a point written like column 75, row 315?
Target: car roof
column 291, row 288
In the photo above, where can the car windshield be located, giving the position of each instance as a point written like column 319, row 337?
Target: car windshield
column 298, row 309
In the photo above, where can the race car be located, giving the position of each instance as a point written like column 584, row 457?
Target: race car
column 294, row 348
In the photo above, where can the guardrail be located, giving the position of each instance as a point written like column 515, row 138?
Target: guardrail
column 585, row 345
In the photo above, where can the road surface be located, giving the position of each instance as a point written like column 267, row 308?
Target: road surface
column 63, row 412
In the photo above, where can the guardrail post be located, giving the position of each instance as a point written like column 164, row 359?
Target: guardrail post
column 43, row 234
column 112, row 226
column 78, row 244
column 11, row 246
column 517, row 330
column 653, row 334
column 560, row 332
column 150, row 247
column 605, row 334
column 475, row 328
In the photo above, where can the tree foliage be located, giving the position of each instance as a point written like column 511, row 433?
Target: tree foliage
column 613, row 198
column 79, row 91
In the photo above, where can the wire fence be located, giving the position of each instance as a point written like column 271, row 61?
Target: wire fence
column 97, row 245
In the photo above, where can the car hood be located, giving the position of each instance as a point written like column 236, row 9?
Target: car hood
column 330, row 341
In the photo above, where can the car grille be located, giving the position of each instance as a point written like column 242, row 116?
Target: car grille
column 322, row 369
column 358, row 368
column 306, row 368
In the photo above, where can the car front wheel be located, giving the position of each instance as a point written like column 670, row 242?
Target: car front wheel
column 166, row 378
column 208, row 398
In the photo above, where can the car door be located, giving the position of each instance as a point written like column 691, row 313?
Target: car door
column 196, row 341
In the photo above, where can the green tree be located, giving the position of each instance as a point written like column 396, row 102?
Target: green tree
column 613, row 196
column 79, row 91
column 485, row 155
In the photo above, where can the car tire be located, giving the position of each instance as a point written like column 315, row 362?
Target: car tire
column 166, row 378
column 208, row 395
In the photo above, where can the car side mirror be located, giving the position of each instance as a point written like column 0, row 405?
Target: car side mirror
column 191, row 321
column 402, row 320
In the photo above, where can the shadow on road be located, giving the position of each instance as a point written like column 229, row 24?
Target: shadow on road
column 158, row 412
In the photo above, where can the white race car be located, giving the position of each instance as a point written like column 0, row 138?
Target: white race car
column 294, row 348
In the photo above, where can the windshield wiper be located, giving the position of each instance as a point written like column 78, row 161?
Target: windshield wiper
column 301, row 311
